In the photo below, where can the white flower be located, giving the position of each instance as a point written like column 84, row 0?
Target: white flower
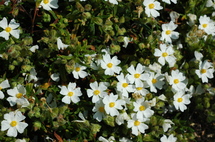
column 168, row 32
column 167, row 124
column 32, row 75
column 123, row 139
column 174, row 16
column 55, row 77
column 155, row 67
column 60, row 44
column 113, row 1
column 123, row 85
column 79, row 71
column 17, row 96
column 110, row 139
column 205, row 71
column 13, row 123
column 137, row 125
column 142, row 108
column 165, row 54
column 4, row 84
column 112, row 104
column 151, row 7
column 171, row 138
column 20, row 140
column 207, row 25
column 48, row 4
column 6, row 2
column 97, row 91
column 177, row 80
column 141, row 89
column 71, row 93
column 9, row 29
column 181, row 100
column 100, row 111
column 168, row 1
column 136, row 75
column 110, row 65
column 210, row 3
column 192, row 19
column 126, row 41
column 121, row 118
column 198, row 55
column 33, row 48
column 155, row 81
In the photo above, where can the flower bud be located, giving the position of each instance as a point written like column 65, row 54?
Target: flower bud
column 46, row 17
column 37, row 125
column 121, row 31
column 87, row 7
column 97, row 20
column 122, row 19
column 79, row 7
column 86, row 15
column 27, row 41
column 114, row 48
column 109, row 120
column 11, row 67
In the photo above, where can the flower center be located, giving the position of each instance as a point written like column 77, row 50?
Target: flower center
column 109, row 65
column 203, row 71
column 8, row 29
column 180, row 100
column 142, row 108
column 101, row 109
column 125, row 85
column 204, row 25
column 168, row 32
column 0, row 87
column 96, row 92
column 139, row 88
column 136, row 123
column 136, row 75
column 19, row 95
column 112, row 104
column 70, row 94
column 45, row 1
column 151, row 6
column 77, row 69
column 176, row 81
column 164, row 54
column 154, row 81
column 13, row 123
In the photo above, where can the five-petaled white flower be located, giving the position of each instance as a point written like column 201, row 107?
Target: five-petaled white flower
column 136, row 75
column 137, row 125
column 171, row 138
column 99, row 109
column 155, row 81
column 151, row 7
column 205, row 71
column 48, row 4
column 112, row 104
column 4, row 84
column 97, row 91
column 71, row 93
column 17, row 96
column 168, row 32
column 10, row 28
column 167, row 124
column 177, row 80
column 110, row 65
column 181, row 100
column 79, row 71
column 207, row 25
column 13, row 123
column 165, row 53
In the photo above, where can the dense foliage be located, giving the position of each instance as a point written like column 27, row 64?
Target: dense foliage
column 107, row 70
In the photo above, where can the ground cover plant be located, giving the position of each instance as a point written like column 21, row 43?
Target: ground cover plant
column 107, row 70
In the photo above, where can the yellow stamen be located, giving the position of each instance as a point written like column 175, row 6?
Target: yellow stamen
column 136, row 75
column 136, row 123
column 168, row 32
column 96, row 92
column 151, row 6
column 176, row 81
column 45, row 1
column 19, row 95
column 8, row 29
column 112, row 104
column 204, row 25
column 125, row 85
column 164, row 54
column 13, row 123
column 180, row 100
column 139, row 88
column 77, row 69
column 109, row 65
column 70, row 94
column 203, row 71
column 142, row 108
column 154, row 81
